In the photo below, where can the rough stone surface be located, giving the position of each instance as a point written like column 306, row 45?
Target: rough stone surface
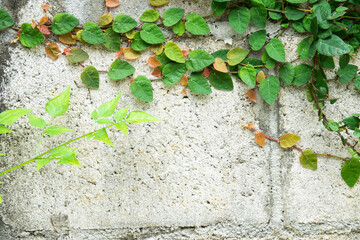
column 196, row 175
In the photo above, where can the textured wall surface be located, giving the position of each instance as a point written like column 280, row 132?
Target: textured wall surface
column 196, row 175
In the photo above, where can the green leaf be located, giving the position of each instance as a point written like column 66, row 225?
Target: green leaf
column 77, row 55
column 158, row 3
column 56, row 130
column 107, row 109
column 357, row 82
column 173, row 72
column 149, row 15
column 90, row 77
column 112, row 40
column 304, row 48
column 267, row 60
column 236, row 56
column 151, row 34
column 221, row 54
column 302, row 74
column 94, row 115
column 36, row 121
column 269, row 89
column 163, row 59
column 64, row 23
column 322, row 11
column 344, row 60
column 276, row 15
column 5, row 19
column 257, row 40
column 347, row 74
column 92, row 33
column 102, row 135
column 239, row 19
column 326, row 61
column 69, row 158
column 248, row 75
column 308, row 159
column 353, row 153
column 123, row 127
column 123, row 23
column 332, row 46
column 42, row 162
column 173, row 52
column 138, row 44
column 199, row 59
column 324, row 33
column 198, row 84
column 276, row 50
column 29, row 36
column 351, row 122
column 293, row 14
column 119, row 115
column 179, row 28
column 298, row 26
column 287, row 73
column 297, row 1
column 141, row 88
column 196, row 25
column 350, row 171
column 102, row 121
column 139, row 117
column 120, row 69
column 58, row 105
column 218, row 7
column 4, row 129
column 258, row 15
column 221, row 81
column 172, row 16
column 59, row 151
column 9, row 117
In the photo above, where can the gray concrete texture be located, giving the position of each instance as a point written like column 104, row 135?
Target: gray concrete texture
column 196, row 175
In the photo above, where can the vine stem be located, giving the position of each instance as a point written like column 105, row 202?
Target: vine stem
column 43, row 154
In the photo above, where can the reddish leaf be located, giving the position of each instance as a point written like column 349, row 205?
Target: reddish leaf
column 250, row 126
column 43, row 20
column 67, row 39
column 185, row 52
column 156, row 72
column 132, row 79
column 45, row 7
column 66, row 51
column 44, row 29
column 112, row 3
column 18, row 33
column 260, row 139
column 184, row 80
column 184, row 91
column 251, row 95
column 53, row 51
column 206, row 72
column 33, row 23
column 118, row 54
column 154, row 62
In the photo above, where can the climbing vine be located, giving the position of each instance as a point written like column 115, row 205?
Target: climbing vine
column 330, row 28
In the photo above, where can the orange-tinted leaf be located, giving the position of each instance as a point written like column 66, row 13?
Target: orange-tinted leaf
column 185, row 52
column 53, row 51
column 43, row 20
column 112, row 3
column 251, row 126
column 45, row 6
column 154, row 62
column 44, row 29
column 118, row 54
column 18, row 33
column 260, row 76
column 33, row 23
column 220, row 65
column 206, row 72
column 251, row 95
column 184, row 91
column 66, row 51
column 184, row 80
column 260, row 139
column 132, row 79
column 131, row 54
column 105, row 19
column 288, row 140
column 156, row 72
column 67, row 39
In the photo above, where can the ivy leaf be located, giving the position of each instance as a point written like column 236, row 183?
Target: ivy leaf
column 332, row 46
column 236, row 56
column 218, row 7
column 112, row 40
column 139, row 117
column 58, row 105
column 267, row 60
column 326, row 61
column 347, row 74
column 221, row 81
column 173, row 52
column 64, row 23
column 90, row 77
column 29, row 36
column 172, row 16
column 120, row 69
column 220, row 65
column 289, row 140
column 357, row 82
column 105, row 19
column 69, row 158
column 149, row 15
column 92, row 33
column 287, row 73
column 131, row 54
column 239, row 19
column 248, row 75
column 4, row 129
column 351, row 122
column 198, row 84
column 258, row 15
column 302, row 74
column 112, row 3
column 344, row 60
column 276, row 50
column 257, row 40
column 36, row 121
column 199, row 59
column 141, row 88
column 123, row 23
column 53, row 51
column 67, row 38
column 297, row 1
column 56, row 130
column 107, row 109
column 350, row 171
column 157, row 49
column 269, row 89
column 77, row 55
column 196, row 25
column 179, row 28
column 308, row 159
column 9, row 117
column 158, row 3
column 5, row 19
column 304, row 48
column 293, row 14
column 138, row 44
column 173, row 72
column 42, row 162
column 260, row 139
column 151, row 34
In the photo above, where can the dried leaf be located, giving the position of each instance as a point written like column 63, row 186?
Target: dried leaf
column 154, row 62
column 18, row 33
column 112, row 3
column 157, row 49
column 288, row 140
column 184, row 91
column 220, row 65
column 118, row 54
column 66, row 51
column 45, row 7
column 105, row 19
column 131, row 54
column 184, row 80
column 260, row 76
column 53, row 51
column 33, row 23
column 185, row 53
column 156, row 72
column 251, row 95
column 44, row 29
column 260, row 139
column 67, row 38
column 43, row 20
column 251, row 126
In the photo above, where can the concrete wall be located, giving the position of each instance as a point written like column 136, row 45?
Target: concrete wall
column 196, row 175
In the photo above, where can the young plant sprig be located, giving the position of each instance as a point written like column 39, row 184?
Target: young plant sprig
column 106, row 116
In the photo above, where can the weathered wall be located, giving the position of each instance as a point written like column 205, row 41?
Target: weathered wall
column 196, row 175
